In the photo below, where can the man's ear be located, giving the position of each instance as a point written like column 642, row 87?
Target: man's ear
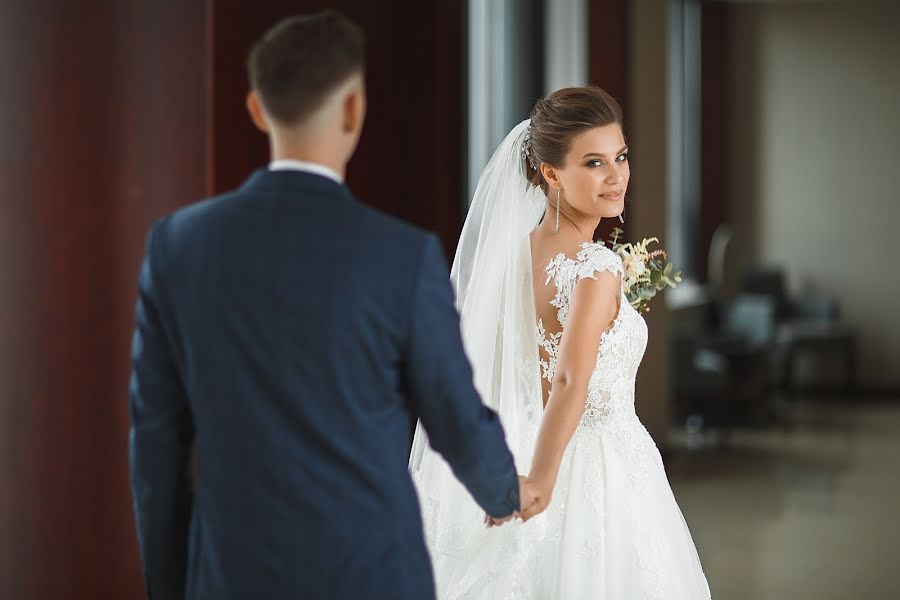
column 254, row 107
column 354, row 109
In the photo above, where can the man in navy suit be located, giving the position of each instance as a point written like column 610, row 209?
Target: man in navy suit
column 287, row 332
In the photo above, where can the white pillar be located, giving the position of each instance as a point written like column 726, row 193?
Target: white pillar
column 566, row 47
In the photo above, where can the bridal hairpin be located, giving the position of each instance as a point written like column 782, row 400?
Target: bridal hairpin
column 526, row 150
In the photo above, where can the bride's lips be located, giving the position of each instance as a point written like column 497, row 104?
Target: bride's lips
column 612, row 196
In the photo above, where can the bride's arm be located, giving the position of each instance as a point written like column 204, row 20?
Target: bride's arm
column 593, row 308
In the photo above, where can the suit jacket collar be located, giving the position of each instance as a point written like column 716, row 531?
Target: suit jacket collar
column 293, row 182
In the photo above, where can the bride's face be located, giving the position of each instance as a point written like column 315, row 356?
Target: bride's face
column 595, row 175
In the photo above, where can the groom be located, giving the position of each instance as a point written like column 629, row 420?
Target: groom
column 285, row 332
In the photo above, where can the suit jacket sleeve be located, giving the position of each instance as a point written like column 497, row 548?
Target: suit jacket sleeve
column 161, row 440
column 461, row 429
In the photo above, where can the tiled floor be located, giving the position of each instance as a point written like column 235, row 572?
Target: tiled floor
column 805, row 511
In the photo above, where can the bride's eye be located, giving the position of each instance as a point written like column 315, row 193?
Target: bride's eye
column 622, row 157
column 595, row 163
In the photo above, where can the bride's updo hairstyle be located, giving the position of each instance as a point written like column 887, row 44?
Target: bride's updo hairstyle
column 557, row 119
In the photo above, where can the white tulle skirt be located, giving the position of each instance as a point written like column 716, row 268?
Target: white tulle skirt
column 613, row 531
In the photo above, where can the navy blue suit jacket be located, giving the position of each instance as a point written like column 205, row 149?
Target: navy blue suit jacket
column 285, row 333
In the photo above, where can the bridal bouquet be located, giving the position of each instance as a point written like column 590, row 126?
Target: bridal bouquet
column 646, row 271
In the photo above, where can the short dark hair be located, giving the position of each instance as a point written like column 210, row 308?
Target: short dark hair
column 558, row 118
column 300, row 60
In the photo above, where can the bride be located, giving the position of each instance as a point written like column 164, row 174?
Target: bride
column 555, row 348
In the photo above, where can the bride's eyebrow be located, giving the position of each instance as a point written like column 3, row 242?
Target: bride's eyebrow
column 623, row 149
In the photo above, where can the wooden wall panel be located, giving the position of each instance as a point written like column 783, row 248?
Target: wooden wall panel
column 102, row 109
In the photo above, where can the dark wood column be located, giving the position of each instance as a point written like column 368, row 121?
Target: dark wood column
column 102, row 107
column 608, row 69
column 608, row 47
column 714, row 158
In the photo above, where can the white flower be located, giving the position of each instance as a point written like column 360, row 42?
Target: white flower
column 634, row 266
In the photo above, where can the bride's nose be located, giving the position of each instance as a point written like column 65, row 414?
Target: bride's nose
column 614, row 175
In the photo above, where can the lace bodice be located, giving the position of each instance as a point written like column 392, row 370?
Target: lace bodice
column 610, row 399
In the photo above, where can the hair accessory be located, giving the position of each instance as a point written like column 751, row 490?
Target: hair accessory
column 527, row 152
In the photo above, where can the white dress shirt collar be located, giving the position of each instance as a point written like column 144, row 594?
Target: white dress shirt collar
column 286, row 164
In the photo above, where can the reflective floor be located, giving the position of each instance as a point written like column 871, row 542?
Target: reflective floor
column 809, row 509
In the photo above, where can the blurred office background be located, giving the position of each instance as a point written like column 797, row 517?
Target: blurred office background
column 764, row 144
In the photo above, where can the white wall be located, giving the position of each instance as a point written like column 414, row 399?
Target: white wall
column 815, row 159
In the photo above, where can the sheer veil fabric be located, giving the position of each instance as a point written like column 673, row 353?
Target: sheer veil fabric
column 491, row 274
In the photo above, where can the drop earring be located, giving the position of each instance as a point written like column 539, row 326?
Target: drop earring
column 621, row 218
column 557, row 209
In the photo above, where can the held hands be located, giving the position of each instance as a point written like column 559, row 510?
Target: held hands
column 533, row 499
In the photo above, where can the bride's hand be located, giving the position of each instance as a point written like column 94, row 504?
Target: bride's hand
column 535, row 497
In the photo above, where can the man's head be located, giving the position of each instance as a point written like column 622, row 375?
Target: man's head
column 306, row 83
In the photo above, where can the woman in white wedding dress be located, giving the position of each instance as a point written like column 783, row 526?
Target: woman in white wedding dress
column 555, row 348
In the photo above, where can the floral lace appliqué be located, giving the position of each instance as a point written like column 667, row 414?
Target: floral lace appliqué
column 609, row 407
column 550, row 343
column 592, row 259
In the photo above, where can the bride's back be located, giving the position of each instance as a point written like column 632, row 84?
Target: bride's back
column 544, row 249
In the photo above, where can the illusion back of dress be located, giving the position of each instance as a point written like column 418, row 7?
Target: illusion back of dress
column 611, row 389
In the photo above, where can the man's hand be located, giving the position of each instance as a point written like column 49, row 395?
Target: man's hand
column 497, row 521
